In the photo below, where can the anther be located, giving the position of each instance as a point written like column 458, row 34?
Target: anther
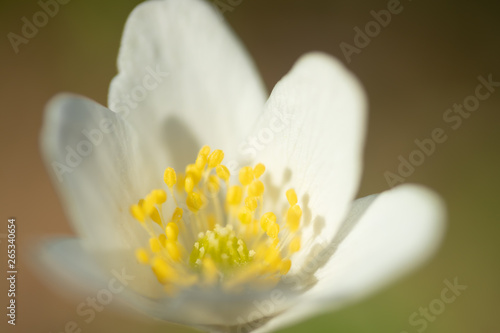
column 234, row 195
column 291, row 196
column 246, row 175
column 293, row 216
column 172, row 231
column 169, row 177
column 256, row 188
column 245, row 215
column 177, row 215
column 142, row 256
column 215, row 158
column 155, row 216
column 173, row 250
column 223, row 172
column 273, row 230
column 194, row 201
column 213, row 184
column 160, row 196
column 266, row 220
column 251, row 203
column 189, row 184
column 137, row 212
column 285, row 266
column 295, row 245
column 154, row 244
column 259, row 170
column 193, row 172
column 205, row 150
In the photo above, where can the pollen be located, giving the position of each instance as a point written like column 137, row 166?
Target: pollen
column 234, row 195
column 213, row 184
column 155, row 245
column 189, row 184
column 226, row 237
column 177, row 215
column 137, row 212
column 246, row 175
column 142, row 256
column 172, row 231
column 160, row 196
column 194, row 201
column 291, row 196
column 293, row 217
column 267, row 220
column 155, row 216
column 215, row 158
column 251, row 203
column 295, row 244
column 259, row 170
column 170, row 177
column 256, row 188
column 223, row 172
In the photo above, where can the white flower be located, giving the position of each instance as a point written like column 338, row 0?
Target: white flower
column 288, row 243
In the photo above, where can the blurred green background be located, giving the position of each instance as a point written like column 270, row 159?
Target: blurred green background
column 422, row 63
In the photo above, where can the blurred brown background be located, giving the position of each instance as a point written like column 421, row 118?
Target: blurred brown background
column 422, row 63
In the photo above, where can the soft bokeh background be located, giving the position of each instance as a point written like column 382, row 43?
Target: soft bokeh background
column 426, row 60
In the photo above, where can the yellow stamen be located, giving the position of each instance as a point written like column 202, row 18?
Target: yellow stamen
column 295, row 244
column 169, row 177
column 293, row 216
column 210, row 271
column 193, row 172
column 194, row 201
column 213, row 184
column 205, row 151
column 267, row 220
column 251, row 203
column 189, row 184
column 218, row 231
column 160, row 196
column 201, row 161
column 149, row 204
column 291, row 196
column 177, row 215
column 215, row 158
column 164, row 273
column 173, row 250
column 172, row 231
column 256, row 188
column 223, row 172
column 163, row 240
column 285, row 266
column 137, row 212
column 155, row 216
column 142, row 256
column 246, row 176
column 259, row 170
column 234, row 195
column 181, row 178
column 245, row 215
column 273, row 230
column 211, row 222
column 154, row 244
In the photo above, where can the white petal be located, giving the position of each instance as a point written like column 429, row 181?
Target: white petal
column 384, row 237
column 209, row 91
column 97, row 167
column 66, row 266
column 312, row 133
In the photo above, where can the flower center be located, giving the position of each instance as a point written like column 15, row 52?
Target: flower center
column 226, row 250
column 233, row 241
